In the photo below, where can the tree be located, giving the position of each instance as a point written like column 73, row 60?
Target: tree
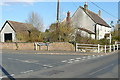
column 35, row 20
column 116, row 33
column 61, row 34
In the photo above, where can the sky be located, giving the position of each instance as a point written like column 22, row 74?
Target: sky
column 19, row 11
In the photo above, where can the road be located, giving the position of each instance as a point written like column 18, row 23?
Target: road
column 60, row 66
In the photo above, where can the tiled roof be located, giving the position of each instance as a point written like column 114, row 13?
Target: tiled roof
column 18, row 26
column 97, row 19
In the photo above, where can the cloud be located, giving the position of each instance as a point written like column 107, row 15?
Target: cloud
column 31, row 1
column 4, row 4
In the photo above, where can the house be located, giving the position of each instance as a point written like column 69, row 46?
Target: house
column 15, row 31
column 88, row 23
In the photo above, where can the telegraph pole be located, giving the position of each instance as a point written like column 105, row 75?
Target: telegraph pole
column 58, row 8
column 57, row 24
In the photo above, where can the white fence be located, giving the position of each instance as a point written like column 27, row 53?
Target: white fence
column 96, row 48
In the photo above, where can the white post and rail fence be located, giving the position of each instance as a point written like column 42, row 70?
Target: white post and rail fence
column 97, row 47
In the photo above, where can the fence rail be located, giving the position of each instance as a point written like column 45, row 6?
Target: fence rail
column 97, row 47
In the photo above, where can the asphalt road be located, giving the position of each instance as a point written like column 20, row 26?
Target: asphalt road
column 59, row 66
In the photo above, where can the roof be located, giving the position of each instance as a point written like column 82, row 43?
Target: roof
column 18, row 26
column 83, row 29
column 97, row 19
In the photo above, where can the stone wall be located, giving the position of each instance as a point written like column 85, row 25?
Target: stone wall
column 62, row 46
column 56, row 46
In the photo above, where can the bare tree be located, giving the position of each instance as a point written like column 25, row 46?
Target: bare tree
column 35, row 20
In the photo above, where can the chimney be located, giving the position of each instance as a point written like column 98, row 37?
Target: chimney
column 68, row 17
column 99, row 13
column 85, row 6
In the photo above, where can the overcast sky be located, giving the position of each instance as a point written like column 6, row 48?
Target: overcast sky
column 19, row 11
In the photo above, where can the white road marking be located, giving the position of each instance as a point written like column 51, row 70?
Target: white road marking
column 3, row 77
column 26, row 61
column 83, row 57
column 12, row 74
column 64, row 61
column 101, row 69
column 93, row 55
column 50, row 66
column 6, row 76
column 70, row 62
column 71, row 59
column 47, row 65
column 78, row 58
column 27, row 71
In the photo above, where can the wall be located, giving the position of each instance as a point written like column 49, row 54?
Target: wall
column 7, row 29
column 101, row 31
column 56, row 46
column 81, row 19
column 62, row 46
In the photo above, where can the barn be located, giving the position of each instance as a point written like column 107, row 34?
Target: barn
column 11, row 29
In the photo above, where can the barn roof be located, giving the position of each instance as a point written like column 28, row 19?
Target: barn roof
column 18, row 26
column 95, row 17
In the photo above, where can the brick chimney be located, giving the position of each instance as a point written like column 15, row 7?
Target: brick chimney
column 85, row 6
column 68, row 17
column 99, row 13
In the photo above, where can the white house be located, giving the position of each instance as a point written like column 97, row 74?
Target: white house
column 89, row 23
column 10, row 30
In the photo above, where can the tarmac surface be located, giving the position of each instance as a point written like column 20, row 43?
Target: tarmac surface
column 41, row 64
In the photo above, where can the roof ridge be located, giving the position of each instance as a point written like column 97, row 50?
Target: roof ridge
column 18, row 22
column 89, row 13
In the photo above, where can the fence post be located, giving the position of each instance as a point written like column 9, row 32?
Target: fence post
column 105, row 48
column 35, row 46
column 113, row 47
column 76, row 47
column 110, row 48
column 98, row 48
column 117, row 46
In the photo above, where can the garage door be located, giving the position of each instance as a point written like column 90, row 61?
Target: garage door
column 8, row 37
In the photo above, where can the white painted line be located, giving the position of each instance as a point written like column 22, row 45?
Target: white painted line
column 9, row 58
column 12, row 74
column 101, row 69
column 78, row 58
column 83, row 57
column 93, row 55
column 3, row 76
column 45, row 65
column 64, row 61
column 71, row 59
column 27, row 71
column 50, row 66
column 70, row 62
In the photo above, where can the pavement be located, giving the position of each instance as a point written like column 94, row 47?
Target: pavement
column 36, row 64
